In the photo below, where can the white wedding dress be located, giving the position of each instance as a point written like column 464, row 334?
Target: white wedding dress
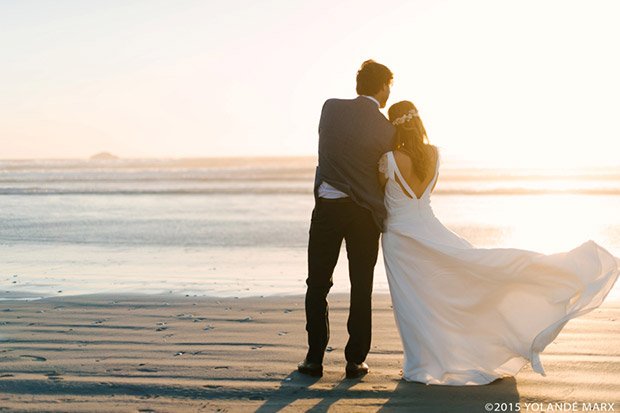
column 468, row 316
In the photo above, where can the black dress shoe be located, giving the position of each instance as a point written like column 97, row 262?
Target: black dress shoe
column 311, row 369
column 355, row 370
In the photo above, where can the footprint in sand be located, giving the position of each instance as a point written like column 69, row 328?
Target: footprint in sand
column 145, row 370
column 257, row 397
column 35, row 358
column 54, row 375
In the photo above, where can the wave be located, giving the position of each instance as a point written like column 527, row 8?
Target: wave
column 283, row 175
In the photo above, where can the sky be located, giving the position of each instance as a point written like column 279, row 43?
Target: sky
column 514, row 83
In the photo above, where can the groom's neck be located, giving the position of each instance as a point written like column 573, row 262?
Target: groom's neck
column 373, row 98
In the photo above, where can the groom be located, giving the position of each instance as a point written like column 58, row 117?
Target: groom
column 353, row 135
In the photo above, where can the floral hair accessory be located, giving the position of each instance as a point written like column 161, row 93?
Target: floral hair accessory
column 406, row 117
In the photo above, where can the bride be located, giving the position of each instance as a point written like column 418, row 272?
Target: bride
column 468, row 316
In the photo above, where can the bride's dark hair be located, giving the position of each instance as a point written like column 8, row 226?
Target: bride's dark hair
column 411, row 136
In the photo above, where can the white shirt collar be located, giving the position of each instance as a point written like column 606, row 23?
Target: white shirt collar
column 373, row 99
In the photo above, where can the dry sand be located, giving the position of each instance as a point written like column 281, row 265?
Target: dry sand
column 157, row 353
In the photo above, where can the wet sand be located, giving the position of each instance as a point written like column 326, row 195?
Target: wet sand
column 164, row 353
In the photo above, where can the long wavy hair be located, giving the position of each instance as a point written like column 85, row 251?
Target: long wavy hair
column 411, row 137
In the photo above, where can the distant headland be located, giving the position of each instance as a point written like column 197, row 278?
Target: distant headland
column 103, row 156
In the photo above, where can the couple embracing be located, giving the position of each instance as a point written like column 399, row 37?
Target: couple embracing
column 466, row 316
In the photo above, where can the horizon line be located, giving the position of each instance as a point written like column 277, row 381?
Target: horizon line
column 469, row 164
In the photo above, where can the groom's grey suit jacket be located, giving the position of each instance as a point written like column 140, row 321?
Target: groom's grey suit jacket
column 353, row 134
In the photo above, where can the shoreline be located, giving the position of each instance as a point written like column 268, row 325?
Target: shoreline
column 128, row 352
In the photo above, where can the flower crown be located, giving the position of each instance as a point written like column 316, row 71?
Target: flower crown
column 406, row 117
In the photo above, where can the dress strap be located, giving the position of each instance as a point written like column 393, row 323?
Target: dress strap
column 403, row 184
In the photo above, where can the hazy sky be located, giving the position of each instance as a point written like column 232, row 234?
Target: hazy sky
column 517, row 82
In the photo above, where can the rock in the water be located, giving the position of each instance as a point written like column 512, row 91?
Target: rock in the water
column 103, row 156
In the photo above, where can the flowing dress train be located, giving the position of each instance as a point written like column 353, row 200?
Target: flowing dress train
column 466, row 315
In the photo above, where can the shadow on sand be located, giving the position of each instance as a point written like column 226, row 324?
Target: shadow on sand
column 406, row 397
column 417, row 397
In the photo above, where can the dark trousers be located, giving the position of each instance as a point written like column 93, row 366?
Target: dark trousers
column 333, row 221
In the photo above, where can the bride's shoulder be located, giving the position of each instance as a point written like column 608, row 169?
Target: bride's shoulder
column 384, row 157
column 401, row 157
column 399, row 154
column 384, row 160
column 403, row 162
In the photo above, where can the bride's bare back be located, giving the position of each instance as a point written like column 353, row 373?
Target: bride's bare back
column 405, row 165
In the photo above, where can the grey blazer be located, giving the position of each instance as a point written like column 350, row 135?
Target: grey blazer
column 353, row 135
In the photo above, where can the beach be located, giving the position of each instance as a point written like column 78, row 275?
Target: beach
column 170, row 353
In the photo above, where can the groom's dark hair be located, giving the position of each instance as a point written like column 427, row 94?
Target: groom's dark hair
column 371, row 77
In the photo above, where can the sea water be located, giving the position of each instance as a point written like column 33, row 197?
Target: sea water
column 239, row 226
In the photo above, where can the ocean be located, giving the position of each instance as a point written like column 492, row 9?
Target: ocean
column 239, row 226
